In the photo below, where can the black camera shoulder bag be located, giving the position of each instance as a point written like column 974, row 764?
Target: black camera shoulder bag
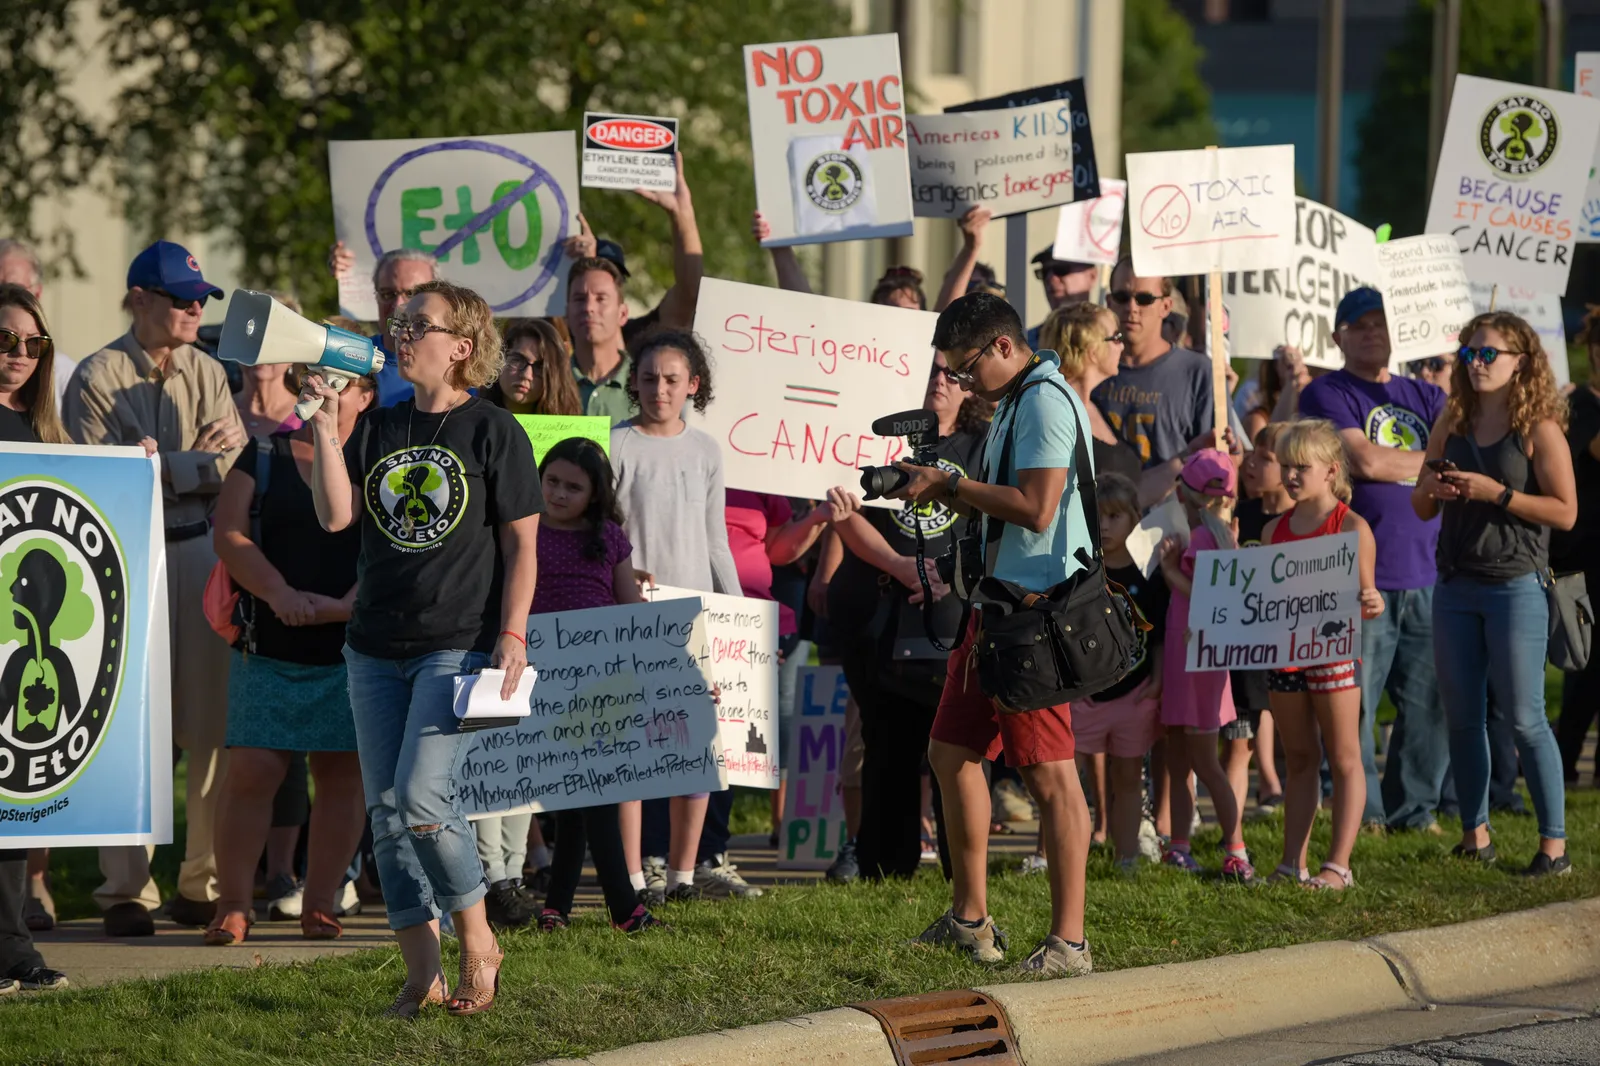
column 1043, row 649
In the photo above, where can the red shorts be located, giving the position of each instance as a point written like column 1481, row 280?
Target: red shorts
column 967, row 718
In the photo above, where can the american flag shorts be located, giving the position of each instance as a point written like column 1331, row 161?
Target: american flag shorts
column 1330, row 677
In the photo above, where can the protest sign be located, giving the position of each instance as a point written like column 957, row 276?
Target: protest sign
column 1091, row 231
column 629, row 152
column 622, row 710
column 1426, row 296
column 800, row 379
column 85, row 701
column 1085, row 172
column 1212, row 209
column 741, row 645
column 1294, row 305
column 1586, row 82
column 827, row 133
column 1541, row 310
column 1011, row 161
column 813, row 813
column 1296, row 604
column 493, row 211
column 545, row 430
column 1512, row 172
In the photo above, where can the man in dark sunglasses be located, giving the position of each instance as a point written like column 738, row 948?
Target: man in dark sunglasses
column 1066, row 282
column 153, row 387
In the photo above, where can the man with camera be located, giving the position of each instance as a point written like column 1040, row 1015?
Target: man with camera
column 1035, row 538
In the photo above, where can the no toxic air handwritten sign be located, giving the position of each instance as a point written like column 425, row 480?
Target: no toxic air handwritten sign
column 800, row 379
column 493, row 211
column 1198, row 211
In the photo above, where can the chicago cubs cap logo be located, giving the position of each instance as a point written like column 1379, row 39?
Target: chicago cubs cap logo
column 1518, row 135
column 417, row 496
column 63, row 623
column 189, row 261
column 834, row 181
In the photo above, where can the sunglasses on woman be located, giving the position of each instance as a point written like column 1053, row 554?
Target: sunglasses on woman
column 1485, row 355
column 1143, row 299
column 32, row 347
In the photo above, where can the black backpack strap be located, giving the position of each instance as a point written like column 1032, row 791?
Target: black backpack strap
column 1080, row 462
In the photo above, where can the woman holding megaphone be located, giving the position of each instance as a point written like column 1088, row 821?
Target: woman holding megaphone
column 446, row 494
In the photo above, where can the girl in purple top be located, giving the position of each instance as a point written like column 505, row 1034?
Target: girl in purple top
column 585, row 561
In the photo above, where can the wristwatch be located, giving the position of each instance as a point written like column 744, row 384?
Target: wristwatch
column 950, row 485
column 1505, row 498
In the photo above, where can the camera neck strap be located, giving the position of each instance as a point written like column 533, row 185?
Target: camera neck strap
column 1080, row 468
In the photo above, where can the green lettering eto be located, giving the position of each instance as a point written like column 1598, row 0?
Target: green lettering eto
column 413, row 224
column 525, row 255
column 463, row 215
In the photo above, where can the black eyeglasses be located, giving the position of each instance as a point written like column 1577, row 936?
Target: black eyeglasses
column 1055, row 270
column 1484, row 355
column 1143, row 299
column 32, row 347
column 963, row 377
column 414, row 329
column 516, row 364
column 179, row 303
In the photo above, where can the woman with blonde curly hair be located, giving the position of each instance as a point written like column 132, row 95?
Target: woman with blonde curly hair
column 1500, row 473
column 444, row 489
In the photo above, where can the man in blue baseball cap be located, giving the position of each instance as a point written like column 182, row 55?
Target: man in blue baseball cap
column 152, row 387
column 1385, row 420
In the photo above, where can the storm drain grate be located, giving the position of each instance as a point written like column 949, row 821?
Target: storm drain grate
column 945, row 1027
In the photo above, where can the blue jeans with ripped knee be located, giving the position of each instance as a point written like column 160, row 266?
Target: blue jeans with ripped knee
column 427, row 853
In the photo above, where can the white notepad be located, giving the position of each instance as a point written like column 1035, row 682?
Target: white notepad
column 478, row 704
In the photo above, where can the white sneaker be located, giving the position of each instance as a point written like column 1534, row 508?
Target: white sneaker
column 718, row 879
column 348, row 902
column 285, row 899
column 1149, row 841
column 1032, row 864
column 1194, row 822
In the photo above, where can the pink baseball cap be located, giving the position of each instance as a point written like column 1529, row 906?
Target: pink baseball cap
column 1211, row 473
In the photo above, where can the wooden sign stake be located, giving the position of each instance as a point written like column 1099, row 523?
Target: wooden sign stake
column 1219, row 359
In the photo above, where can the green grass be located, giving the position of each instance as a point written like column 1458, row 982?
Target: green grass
column 736, row 963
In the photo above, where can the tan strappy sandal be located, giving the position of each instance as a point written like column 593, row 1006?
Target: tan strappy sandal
column 470, row 997
column 409, row 1003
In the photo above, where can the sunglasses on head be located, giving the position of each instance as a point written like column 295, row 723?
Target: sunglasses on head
column 1143, row 299
column 33, row 347
column 1485, row 355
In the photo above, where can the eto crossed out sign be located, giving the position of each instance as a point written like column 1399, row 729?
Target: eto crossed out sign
column 494, row 211
column 1212, row 209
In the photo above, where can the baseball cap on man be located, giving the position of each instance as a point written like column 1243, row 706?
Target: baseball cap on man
column 170, row 268
column 1357, row 302
column 1211, row 473
column 611, row 251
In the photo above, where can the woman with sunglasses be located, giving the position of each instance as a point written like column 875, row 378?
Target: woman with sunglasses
column 1499, row 472
column 27, row 372
column 445, row 492
column 536, row 378
column 1090, row 344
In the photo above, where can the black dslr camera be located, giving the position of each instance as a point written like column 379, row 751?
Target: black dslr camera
column 921, row 431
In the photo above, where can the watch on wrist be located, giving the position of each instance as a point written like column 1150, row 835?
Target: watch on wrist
column 951, row 483
column 1505, row 498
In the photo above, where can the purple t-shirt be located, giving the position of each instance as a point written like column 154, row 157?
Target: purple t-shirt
column 1399, row 413
column 568, row 580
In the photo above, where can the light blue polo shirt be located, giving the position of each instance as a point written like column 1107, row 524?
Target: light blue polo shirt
column 1045, row 437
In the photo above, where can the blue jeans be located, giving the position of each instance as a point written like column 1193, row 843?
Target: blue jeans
column 1397, row 657
column 1493, row 636
column 427, row 853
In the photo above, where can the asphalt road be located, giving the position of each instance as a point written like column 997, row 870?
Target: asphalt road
column 1573, row 1042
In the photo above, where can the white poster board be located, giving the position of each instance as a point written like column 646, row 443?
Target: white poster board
column 1542, row 310
column 1295, row 604
column 800, row 380
column 494, row 211
column 1211, row 209
column 1512, row 173
column 1090, row 231
column 622, row 710
column 1010, row 161
column 813, row 814
column 1426, row 296
column 629, row 152
column 1294, row 306
column 1586, row 82
column 827, row 135
column 741, row 646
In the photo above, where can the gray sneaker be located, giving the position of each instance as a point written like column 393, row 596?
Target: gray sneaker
column 985, row 944
column 1054, row 957
column 717, row 878
column 654, row 892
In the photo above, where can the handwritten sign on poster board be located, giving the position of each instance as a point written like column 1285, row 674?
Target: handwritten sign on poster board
column 1426, row 296
column 813, row 815
column 1193, row 212
column 545, row 430
column 1085, row 171
column 1090, row 231
column 1010, row 161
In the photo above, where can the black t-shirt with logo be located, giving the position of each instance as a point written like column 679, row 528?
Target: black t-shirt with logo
column 853, row 594
column 1151, row 594
column 431, row 488
column 1252, row 517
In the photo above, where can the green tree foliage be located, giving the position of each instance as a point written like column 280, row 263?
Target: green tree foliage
column 1499, row 39
column 1165, row 105
column 226, row 122
column 50, row 146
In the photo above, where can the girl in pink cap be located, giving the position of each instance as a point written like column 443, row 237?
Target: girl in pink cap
column 1195, row 706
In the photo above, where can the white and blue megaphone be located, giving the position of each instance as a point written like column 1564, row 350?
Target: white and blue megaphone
column 260, row 330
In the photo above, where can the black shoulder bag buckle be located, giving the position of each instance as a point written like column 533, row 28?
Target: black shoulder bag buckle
column 1044, row 649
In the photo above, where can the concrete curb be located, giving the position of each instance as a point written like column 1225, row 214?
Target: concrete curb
column 1115, row 1016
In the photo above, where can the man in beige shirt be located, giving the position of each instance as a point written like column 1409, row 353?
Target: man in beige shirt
column 154, row 388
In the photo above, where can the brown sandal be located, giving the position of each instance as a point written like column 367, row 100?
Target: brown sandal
column 469, row 997
column 411, row 999
column 228, row 927
column 320, row 925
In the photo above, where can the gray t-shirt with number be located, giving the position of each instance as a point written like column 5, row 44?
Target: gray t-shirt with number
column 1159, row 407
